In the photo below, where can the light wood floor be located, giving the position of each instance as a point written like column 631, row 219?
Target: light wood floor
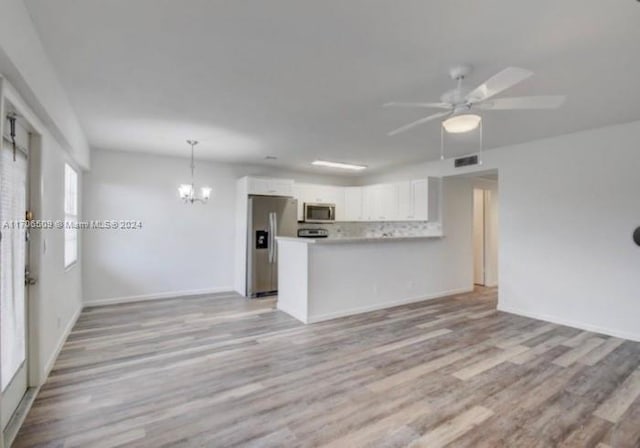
column 224, row 371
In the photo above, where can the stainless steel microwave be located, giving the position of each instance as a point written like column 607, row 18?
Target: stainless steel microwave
column 314, row 212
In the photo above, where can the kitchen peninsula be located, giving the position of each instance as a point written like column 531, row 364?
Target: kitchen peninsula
column 321, row 279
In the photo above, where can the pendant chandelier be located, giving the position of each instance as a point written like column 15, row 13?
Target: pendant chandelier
column 188, row 191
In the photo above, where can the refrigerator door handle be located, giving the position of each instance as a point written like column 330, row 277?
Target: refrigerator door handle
column 270, row 237
column 275, row 233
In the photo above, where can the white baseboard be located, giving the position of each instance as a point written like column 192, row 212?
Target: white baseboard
column 293, row 312
column 54, row 356
column 157, row 296
column 381, row 306
column 570, row 323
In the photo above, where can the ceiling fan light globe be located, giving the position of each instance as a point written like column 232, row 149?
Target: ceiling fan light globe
column 461, row 123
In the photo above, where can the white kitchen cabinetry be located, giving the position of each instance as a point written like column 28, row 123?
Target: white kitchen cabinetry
column 353, row 204
column 405, row 201
column 420, row 199
column 413, row 200
column 270, row 187
column 319, row 194
column 380, row 202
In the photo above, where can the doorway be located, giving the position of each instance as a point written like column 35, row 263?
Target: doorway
column 14, row 259
column 485, row 231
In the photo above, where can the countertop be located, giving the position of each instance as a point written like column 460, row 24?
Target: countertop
column 343, row 240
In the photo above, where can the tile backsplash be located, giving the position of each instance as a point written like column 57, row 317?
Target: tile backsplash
column 377, row 229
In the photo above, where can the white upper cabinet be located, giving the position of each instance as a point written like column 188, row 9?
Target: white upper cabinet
column 405, row 201
column 368, row 203
column 387, row 202
column 415, row 200
column 353, row 204
column 270, row 187
column 380, row 202
column 420, row 199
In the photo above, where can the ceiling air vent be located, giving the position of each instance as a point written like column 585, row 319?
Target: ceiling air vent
column 465, row 161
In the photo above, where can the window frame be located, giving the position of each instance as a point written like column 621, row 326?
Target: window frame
column 70, row 215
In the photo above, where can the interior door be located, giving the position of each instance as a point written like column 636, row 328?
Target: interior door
column 478, row 237
column 13, row 261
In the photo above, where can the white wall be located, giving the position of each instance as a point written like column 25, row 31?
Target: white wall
column 568, row 211
column 25, row 64
column 182, row 248
column 492, row 237
column 568, row 207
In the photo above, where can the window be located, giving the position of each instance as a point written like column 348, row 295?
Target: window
column 70, row 216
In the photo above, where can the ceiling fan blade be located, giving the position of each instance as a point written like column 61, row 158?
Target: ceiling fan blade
column 426, row 105
column 419, row 122
column 524, row 102
column 497, row 83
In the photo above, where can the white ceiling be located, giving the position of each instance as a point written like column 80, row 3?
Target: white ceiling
column 305, row 79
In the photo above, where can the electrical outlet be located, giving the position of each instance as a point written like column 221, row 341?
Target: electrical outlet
column 375, row 288
column 410, row 284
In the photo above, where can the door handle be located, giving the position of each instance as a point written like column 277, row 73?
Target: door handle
column 271, row 237
column 29, row 280
column 275, row 233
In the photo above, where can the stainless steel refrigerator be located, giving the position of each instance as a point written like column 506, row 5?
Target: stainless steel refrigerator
column 269, row 216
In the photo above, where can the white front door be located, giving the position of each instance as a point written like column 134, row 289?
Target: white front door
column 13, row 262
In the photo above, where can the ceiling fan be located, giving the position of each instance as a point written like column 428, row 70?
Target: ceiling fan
column 461, row 103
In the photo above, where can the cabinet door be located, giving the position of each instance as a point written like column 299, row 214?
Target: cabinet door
column 338, row 199
column 381, row 202
column 299, row 191
column 281, row 187
column 405, row 201
column 353, row 206
column 270, row 187
column 258, row 186
column 420, row 199
column 369, row 194
column 387, row 202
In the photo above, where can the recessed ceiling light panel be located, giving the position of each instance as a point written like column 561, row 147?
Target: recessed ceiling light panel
column 344, row 166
